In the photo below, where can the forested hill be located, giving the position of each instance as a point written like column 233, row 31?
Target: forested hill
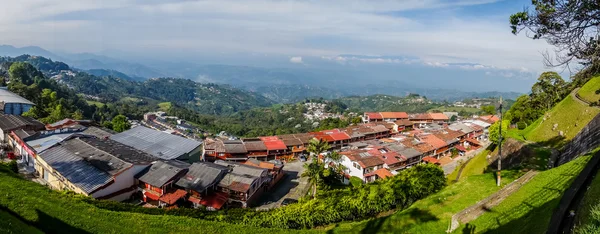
column 204, row 98
column 412, row 103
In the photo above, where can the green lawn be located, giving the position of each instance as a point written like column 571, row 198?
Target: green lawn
column 164, row 106
column 588, row 91
column 54, row 212
column 98, row 104
column 570, row 115
column 455, row 109
column 11, row 224
column 590, row 200
column 529, row 210
column 432, row 214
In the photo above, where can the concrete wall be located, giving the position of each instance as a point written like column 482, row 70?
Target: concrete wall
column 122, row 181
column 586, row 140
column 350, row 169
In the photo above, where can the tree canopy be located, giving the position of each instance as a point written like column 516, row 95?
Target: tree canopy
column 572, row 26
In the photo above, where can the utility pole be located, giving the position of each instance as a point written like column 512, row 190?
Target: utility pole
column 500, row 146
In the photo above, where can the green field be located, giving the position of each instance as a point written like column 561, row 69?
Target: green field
column 164, row 106
column 570, row 115
column 455, row 109
column 432, row 214
column 54, row 212
column 529, row 210
column 588, row 91
column 98, row 104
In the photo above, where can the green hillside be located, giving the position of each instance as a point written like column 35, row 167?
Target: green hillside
column 56, row 212
column 530, row 208
column 570, row 115
column 432, row 214
column 588, row 91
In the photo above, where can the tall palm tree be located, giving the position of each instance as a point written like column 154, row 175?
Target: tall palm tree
column 313, row 171
column 317, row 147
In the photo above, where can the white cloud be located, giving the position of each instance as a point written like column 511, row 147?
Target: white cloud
column 297, row 59
column 293, row 27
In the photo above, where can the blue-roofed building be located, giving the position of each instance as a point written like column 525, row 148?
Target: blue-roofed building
column 13, row 104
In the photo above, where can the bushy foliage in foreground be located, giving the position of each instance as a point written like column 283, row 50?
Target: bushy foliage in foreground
column 333, row 206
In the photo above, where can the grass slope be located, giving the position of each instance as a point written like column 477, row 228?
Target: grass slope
column 588, row 91
column 12, row 224
column 589, row 200
column 529, row 210
column 570, row 115
column 432, row 214
column 54, row 212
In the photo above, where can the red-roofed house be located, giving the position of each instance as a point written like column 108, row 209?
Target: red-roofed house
column 440, row 147
column 439, row 117
column 431, row 160
column 383, row 173
column 275, row 147
column 393, row 116
column 372, row 117
column 403, row 125
column 420, row 120
column 361, row 164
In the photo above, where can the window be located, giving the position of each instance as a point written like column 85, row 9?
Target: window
column 356, row 166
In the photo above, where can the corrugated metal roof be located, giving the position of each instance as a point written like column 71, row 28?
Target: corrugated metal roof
column 121, row 151
column 162, row 172
column 76, row 170
column 159, row 144
column 98, row 132
column 201, row 175
column 241, row 169
column 43, row 143
column 10, row 97
column 98, row 158
column 11, row 122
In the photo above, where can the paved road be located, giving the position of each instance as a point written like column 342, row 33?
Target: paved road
column 293, row 186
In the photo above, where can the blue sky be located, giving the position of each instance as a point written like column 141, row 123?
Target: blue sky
column 471, row 35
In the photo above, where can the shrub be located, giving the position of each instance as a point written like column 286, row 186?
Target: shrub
column 521, row 125
column 356, row 182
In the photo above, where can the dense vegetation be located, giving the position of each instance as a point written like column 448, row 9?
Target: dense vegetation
column 113, row 87
column 411, row 104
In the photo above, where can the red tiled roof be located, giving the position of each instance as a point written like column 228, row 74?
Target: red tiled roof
column 340, row 136
column 265, row 165
column 471, row 140
column 394, row 115
column 370, row 161
column 171, row 198
column 431, row 160
column 379, row 128
column 215, row 200
column 383, row 173
column 404, row 122
column 373, row 115
column 193, row 199
column 239, row 187
column 327, row 138
column 438, row 116
column 433, row 141
column 152, row 195
column 273, row 143
column 461, row 148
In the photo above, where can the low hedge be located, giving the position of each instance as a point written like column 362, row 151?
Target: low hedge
column 366, row 201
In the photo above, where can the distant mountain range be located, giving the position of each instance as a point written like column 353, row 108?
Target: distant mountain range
column 282, row 85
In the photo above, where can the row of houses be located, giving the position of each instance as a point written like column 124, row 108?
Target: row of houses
column 159, row 168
